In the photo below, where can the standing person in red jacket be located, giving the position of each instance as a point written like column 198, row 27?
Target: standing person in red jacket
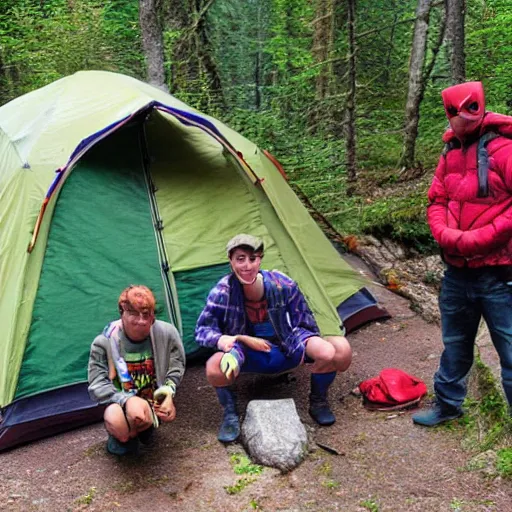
column 470, row 216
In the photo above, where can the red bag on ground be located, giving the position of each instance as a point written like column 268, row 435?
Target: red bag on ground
column 393, row 387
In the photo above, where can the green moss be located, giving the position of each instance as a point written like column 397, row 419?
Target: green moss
column 87, row 498
column 239, row 485
column 242, row 465
column 330, row 484
column 370, row 504
column 492, row 404
column 504, row 463
column 487, row 424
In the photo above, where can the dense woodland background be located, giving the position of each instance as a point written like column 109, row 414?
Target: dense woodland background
column 345, row 94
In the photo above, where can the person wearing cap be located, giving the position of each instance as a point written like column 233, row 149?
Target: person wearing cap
column 259, row 322
column 135, row 367
column 470, row 216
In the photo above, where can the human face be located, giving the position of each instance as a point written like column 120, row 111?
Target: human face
column 246, row 265
column 137, row 324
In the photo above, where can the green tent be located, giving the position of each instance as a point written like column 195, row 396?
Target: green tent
column 106, row 181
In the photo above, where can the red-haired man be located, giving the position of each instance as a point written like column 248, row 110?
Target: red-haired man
column 135, row 366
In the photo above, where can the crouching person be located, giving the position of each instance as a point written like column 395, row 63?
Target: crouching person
column 259, row 322
column 135, row 366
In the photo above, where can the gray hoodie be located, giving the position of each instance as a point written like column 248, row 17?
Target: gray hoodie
column 169, row 363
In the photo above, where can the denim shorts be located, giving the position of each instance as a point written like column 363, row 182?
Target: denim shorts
column 273, row 362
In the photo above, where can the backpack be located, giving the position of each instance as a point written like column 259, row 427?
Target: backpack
column 392, row 389
column 482, row 160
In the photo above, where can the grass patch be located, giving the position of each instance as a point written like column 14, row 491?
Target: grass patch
column 487, row 425
column 487, row 422
column 325, row 468
column 239, row 485
column 242, row 465
column 87, row 498
column 330, row 484
column 504, row 462
column 370, row 504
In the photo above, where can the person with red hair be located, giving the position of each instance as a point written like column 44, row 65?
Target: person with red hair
column 470, row 216
column 135, row 366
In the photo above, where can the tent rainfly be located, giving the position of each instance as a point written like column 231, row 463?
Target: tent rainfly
column 106, row 181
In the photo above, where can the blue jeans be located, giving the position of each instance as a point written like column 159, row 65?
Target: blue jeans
column 466, row 296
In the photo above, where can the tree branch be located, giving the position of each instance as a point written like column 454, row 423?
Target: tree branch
column 200, row 16
column 407, row 20
column 321, row 18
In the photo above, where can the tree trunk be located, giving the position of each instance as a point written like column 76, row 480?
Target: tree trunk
column 339, row 68
column 322, row 48
column 258, row 61
column 455, row 16
column 7, row 83
column 152, row 43
column 391, row 43
column 205, row 53
column 350, row 125
column 176, row 18
column 416, row 84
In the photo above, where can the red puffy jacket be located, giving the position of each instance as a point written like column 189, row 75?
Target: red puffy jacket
column 474, row 231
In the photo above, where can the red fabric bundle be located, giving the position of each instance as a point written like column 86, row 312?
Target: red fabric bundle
column 393, row 387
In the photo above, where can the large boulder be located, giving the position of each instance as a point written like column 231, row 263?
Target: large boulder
column 273, row 434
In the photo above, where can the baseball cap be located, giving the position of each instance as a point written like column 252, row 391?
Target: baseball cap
column 247, row 240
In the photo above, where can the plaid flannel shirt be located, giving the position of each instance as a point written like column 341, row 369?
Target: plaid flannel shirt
column 288, row 312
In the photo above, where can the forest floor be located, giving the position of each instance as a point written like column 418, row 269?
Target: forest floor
column 383, row 461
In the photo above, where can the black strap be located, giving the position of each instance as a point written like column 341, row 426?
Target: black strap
column 454, row 143
column 482, row 160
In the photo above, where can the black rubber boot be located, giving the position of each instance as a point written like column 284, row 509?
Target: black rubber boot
column 230, row 427
column 319, row 408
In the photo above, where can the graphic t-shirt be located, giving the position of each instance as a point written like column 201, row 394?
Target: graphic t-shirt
column 141, row 366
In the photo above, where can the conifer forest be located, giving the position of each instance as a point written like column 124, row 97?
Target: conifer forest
column 345, row 93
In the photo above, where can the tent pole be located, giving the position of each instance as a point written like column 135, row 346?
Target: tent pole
column 165, row 269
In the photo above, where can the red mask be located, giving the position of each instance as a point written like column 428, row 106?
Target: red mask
column 465, row 107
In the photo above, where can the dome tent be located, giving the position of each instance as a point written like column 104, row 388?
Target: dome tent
column 106, row 181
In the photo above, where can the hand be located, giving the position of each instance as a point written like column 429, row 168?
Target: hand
column 258, row 344
column 229, row 366
column 163, row 392
column 226, row 343
column 138, row 411
column 166, row 410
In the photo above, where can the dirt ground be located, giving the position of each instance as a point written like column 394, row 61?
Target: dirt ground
column 384, row 462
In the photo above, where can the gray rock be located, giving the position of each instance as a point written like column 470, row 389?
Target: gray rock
column 274, row 435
